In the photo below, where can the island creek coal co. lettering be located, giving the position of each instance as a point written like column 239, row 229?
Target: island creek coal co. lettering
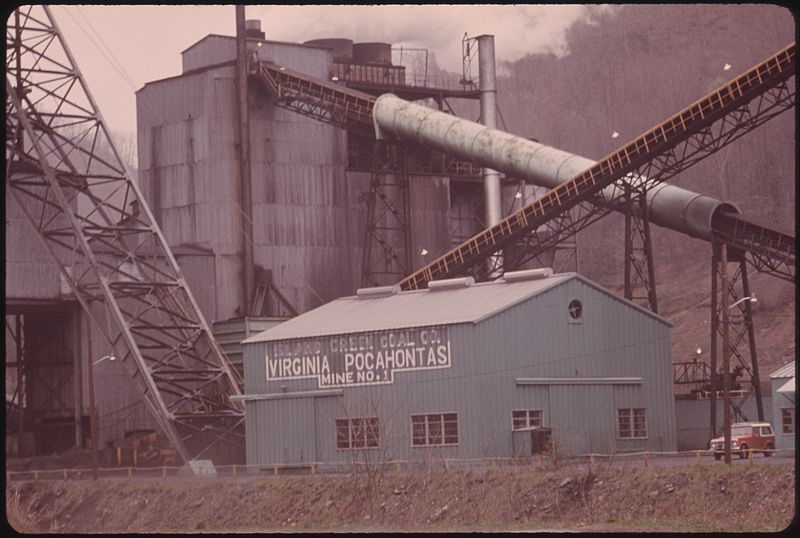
column 359, row 359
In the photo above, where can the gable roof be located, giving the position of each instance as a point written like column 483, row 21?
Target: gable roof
column 784, row 371
column 419, row 308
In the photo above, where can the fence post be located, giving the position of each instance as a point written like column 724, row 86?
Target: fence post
column 36, row 475
column 446, row 465
column 66, row 474
column 697, row 456
column 233, row 470
column 397, row 466
column 275, row 470
column 750, row 454
column 313, row 468
column 494, row 463
column 591, row 459
column 130, row 473
column 645, row 458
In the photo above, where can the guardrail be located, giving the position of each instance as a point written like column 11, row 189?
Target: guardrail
column 539, row 461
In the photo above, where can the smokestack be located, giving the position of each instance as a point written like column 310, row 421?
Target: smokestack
column 488, row 102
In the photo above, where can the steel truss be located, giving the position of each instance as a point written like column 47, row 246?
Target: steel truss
column 64, row 172
column 387, row 244
column 656, row 156
column 640, row 273
column 739, row 328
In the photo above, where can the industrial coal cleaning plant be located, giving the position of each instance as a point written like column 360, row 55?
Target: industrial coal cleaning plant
column 461, row 370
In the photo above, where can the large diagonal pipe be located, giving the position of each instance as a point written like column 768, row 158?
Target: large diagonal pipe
column 669, row 206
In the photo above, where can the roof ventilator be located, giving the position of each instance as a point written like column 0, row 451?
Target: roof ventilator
column 451, row 283
column 377, row 291
column 528, row 274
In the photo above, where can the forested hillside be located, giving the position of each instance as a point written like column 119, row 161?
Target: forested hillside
column 631, row 68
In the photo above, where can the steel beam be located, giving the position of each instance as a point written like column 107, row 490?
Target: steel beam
column 77, row 193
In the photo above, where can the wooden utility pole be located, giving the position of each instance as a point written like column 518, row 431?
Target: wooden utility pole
column 245, row 200
column 92, row 408
column 726, row 353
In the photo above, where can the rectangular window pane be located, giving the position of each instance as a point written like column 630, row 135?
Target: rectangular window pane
column 451, row 428
column 639, row 423
column 526, row 418
column 357, row 433
column 518, row 420
column 632, row 423
column 418, row 430
column 624, row 423
column 787, row 420
column 535, row 418
column 373, row 433
column 342, row 434
column 434, row 429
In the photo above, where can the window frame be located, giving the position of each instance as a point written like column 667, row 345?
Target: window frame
column 527, row 419
column 631, row 426
column 790, row 413
column 581, row 310
column 442, row 431
column 357, row 426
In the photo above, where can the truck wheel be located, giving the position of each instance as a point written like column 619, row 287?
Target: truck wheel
column 768, row 451
column 742, row 452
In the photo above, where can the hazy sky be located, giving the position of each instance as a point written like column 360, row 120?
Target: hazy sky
column 120, row 48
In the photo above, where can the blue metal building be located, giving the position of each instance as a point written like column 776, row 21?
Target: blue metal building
column 461, row 370
column 783, row 406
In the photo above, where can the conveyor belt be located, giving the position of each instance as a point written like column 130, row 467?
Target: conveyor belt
column 327, row 102
column 645, row 149
column 773, row 249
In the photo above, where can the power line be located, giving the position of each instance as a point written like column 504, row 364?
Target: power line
column 105, row 50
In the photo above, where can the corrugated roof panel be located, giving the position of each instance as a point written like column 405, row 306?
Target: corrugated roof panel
column 409, row 309
column 784, row 371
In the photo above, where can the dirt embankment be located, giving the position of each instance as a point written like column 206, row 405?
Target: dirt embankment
column 687, row 498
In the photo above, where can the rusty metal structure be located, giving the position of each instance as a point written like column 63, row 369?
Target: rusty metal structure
column 63, row 171
column 643, row 164
column 629, row 180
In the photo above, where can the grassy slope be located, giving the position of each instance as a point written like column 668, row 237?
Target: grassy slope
column 688, row 498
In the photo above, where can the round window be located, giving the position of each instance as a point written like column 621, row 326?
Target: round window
column 575, row 309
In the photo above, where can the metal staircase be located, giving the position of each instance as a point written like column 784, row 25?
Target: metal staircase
column 80, row 198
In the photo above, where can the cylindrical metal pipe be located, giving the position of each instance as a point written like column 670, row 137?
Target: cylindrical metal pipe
column 488, row 102
column 669, row 206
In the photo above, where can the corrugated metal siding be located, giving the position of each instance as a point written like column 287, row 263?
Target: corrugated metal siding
column 30, row 272
column 210, row 50
column 531, row 339
column 781, row 401
column 120, row 406
column 428, row 201
column 200, row 276
column 693, row 420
